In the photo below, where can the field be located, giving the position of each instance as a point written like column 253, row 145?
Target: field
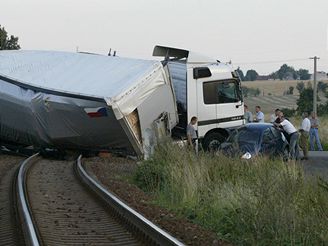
column 275, row 87
column 272, row 95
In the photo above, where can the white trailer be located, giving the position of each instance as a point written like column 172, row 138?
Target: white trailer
column 62, row 100
column 205, row 88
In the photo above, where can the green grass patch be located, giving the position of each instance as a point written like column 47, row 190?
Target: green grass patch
column 258, row 202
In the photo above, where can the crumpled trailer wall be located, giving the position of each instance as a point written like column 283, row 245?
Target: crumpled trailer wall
column 42, row 119
column 83, row 101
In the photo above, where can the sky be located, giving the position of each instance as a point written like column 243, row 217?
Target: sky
column 253, row 34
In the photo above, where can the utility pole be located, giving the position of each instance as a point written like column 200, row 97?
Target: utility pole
column 315, row 90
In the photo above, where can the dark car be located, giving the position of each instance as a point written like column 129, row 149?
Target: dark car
column 256, row 139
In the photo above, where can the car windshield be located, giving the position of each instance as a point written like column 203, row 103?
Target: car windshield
column 244, row 136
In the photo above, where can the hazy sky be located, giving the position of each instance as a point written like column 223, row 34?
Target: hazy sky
column 251, row 33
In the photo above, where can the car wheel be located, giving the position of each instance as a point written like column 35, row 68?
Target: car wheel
column 213, row 141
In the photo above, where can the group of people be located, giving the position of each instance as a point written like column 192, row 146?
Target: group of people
column 308, row 129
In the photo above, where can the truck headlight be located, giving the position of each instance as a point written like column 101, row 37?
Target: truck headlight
column 246, row 156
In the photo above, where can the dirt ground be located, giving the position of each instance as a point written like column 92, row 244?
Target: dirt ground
column 7, row 162
column 113, row 173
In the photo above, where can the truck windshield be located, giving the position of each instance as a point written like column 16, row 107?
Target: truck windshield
column 216, row 92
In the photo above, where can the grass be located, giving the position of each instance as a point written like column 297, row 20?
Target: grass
column 262, row 202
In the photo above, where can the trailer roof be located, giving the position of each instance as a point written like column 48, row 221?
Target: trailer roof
column 76, row 73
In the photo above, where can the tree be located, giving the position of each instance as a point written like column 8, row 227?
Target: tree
column 300, row 86
column 286, row 72
column 251, row 75
column 8, row 43
column 241, row 74
column 257, row 92
column 304, row 74
column 322, row 86
column 274, row 75
column 305, row 101
column 245, row 91
column 290, row 90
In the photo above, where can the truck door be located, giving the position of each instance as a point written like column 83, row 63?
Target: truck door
column 229, row 103
column 224, row 98
column 224, row 95
column 206, row 107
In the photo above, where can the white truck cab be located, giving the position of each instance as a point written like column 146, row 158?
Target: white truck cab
column 204, row 88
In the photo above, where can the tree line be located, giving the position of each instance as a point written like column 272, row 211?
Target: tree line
column 285, row 72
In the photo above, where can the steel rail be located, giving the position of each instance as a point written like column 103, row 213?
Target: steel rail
column 149, row 229
column 30, row 231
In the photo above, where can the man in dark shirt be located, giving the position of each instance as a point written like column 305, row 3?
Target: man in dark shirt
column 314, row 134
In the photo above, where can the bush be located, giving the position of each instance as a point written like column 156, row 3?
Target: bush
column 262, row 202
column 247, row 92
column 288, row 112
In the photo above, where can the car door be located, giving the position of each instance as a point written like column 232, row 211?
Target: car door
column 272, row 142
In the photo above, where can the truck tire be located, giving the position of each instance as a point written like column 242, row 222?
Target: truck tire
column 213, row 141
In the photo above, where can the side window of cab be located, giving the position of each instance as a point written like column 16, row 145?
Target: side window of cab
column 219, row 92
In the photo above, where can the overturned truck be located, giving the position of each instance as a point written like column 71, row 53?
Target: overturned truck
column 84, row 101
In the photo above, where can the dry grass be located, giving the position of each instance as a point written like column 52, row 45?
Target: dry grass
column 259, row 202
column 270, row 103
column 275, row 87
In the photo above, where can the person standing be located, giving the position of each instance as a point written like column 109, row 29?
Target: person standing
column 293, row 136
column 274, row 116
column 259, row 115
column 192, row 134
column 248, row 116
column 305, row 130
column 314, row 134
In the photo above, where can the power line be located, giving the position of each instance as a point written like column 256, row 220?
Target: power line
column 315, row 91
column 269, row 62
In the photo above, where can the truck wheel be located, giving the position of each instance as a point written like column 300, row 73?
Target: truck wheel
column 213, row 141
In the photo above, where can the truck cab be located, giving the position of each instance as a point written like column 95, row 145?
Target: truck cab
column 207, row 89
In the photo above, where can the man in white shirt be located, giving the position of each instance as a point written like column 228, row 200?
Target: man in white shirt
column 293, row 136
column 259, row 115
column 304, row 130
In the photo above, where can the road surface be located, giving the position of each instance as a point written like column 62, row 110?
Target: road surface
column 317, row 164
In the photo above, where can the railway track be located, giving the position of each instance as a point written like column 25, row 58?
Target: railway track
column 9, row 232
column 60, row 204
